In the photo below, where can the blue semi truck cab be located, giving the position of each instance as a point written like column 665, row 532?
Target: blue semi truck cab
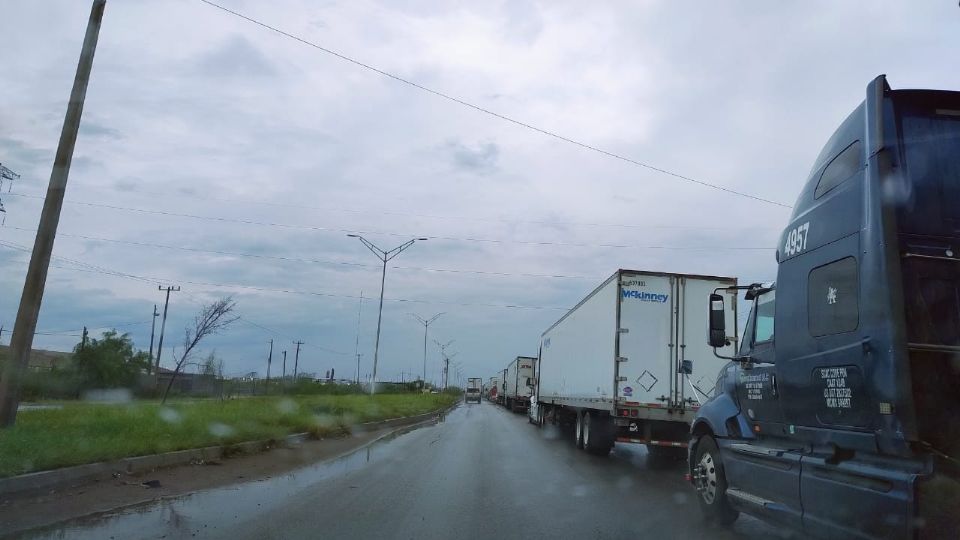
column 840, row 413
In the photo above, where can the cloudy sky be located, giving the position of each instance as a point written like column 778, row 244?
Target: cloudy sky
column 217, row 155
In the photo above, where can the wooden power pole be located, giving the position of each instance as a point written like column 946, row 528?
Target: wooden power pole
column 21, row 341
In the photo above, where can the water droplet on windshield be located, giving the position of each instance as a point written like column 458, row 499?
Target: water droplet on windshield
column 287, row 406
column 169, row 415
column 220, row 430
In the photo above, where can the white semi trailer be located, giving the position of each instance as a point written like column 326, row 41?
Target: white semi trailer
column 628, row 364
column 518, row 383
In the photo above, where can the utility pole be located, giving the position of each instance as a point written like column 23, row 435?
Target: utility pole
column 446, row 359
column 21, row 342
column 356, row 347
column 426, row 324
column 283, row 380
column 163, row 323
column 383, row 256
column 153, row 327
column 269, row 361
column 296, row 359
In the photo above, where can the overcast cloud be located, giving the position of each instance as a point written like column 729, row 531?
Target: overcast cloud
column 204, row 133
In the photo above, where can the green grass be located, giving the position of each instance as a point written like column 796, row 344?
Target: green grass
column 86, row 433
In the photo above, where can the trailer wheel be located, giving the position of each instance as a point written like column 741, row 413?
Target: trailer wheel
column 578, row 431
column 597, row 437
column 711, row 482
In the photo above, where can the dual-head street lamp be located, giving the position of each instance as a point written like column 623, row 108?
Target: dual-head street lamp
column 384, row 256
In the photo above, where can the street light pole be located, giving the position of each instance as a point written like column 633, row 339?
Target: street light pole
column 426, row 325
column 384, row 256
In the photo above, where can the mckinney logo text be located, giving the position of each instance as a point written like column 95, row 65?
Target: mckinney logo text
column 644, row 296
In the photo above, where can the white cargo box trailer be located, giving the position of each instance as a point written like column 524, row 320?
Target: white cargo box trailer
column 518, row 392
column 629, row 363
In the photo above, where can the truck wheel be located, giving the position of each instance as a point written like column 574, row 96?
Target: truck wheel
column 596, row 436
column 711, row 483
column 578, row 431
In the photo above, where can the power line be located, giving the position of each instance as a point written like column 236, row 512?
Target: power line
column 509, row 221
column 100, row 270
column 489, row 112
column 318, row 261
column 101, row 327
column 85, row 267
column 404, row 235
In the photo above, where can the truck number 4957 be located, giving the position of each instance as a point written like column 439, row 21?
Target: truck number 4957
column 796, row 240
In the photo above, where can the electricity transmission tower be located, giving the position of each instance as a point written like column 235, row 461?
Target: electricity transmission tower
column 6, row 174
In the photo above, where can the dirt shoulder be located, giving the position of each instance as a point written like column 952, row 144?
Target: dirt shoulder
column 28, row 511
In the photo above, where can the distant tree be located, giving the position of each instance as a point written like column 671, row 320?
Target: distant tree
column 210, row 365
column 109, row 362
column 212, row 319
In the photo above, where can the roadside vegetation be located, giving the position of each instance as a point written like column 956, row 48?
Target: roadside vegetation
column 75, row 432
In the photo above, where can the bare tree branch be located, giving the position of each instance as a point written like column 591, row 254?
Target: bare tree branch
column 212, row 319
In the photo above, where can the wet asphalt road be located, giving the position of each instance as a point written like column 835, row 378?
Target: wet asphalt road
column 481, row 473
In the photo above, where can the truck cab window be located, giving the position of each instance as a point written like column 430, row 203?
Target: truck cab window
column 764, row 321
column 843, row 166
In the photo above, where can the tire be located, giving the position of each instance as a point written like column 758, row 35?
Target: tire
column 578, row 430
column 711, row 482
column 597, row 436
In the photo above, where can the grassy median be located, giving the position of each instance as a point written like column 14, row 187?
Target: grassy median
column 81, row 433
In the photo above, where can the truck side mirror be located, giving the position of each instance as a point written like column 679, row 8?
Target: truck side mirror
column 718, row 322
column 530, row 382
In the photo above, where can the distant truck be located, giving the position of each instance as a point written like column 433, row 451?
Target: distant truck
column 625, row 364
column 473, row 390
column 493, row 388
column 518, row 383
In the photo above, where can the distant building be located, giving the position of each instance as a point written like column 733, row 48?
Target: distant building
column 188, row 383
column 41, row 360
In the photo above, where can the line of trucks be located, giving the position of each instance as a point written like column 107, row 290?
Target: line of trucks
column 513, row 386
column 836, row 410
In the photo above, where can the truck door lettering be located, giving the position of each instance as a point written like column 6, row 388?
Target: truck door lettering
column 836, row 393
column 754, row 384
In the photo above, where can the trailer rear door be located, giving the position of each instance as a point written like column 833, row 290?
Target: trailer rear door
column 663, row 321
column 644, row 370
